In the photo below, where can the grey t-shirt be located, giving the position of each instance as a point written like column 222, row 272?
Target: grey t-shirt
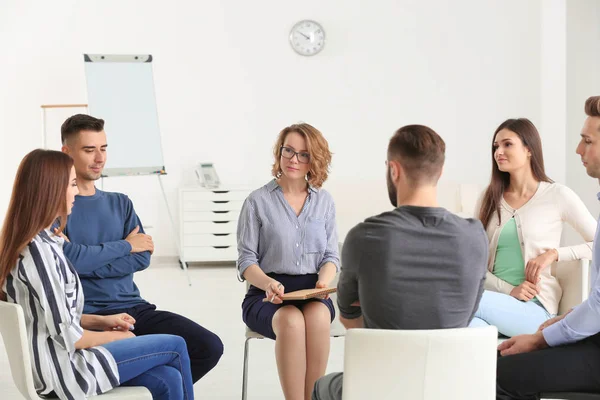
column 413, row 268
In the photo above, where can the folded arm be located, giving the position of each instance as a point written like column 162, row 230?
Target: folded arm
column 122, row 266
column 115, row 258
column 89, row 258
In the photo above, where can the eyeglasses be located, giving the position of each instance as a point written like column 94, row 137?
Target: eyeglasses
column 302, row 156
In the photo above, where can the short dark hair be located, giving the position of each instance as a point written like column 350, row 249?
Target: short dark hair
column 77, row 123
column 592, row 106
column 420, row 151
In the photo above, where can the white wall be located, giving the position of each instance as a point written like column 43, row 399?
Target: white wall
column 227, row 81
column 583, row 81
column 553, row 81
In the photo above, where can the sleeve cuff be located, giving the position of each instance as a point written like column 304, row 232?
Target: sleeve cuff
column 351, row 312
column 563, row 254
column 553, row 335
column 335, row 261
column 126, row 248
column 243, row 266
column 505, row 288
column 70, row 334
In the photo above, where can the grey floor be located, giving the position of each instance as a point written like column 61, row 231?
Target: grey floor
column 213, row 301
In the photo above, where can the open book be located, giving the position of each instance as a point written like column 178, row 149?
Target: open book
column 306, row 294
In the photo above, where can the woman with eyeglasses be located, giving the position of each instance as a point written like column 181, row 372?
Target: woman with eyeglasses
column 287, row 241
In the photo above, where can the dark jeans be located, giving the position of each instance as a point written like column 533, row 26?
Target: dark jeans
column 204, row 347
column 570, row 368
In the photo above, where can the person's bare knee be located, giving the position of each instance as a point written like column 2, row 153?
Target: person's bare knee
column 316, row 315
column 288, row 319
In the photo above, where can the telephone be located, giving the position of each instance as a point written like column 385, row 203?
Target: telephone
column 207, row 175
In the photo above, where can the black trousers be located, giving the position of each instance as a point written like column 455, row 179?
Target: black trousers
column 570, row 368
column 204, row 347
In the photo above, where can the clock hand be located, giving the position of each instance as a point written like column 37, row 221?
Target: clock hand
column 307, row 37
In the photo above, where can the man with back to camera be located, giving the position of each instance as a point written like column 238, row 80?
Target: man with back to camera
column 564, row 354
column 108, row 245
column 416, row 267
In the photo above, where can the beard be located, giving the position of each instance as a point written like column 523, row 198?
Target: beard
column 392, row 191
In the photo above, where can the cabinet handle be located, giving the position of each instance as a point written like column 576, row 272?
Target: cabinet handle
column 220, row 212
column 221, row 234
column 220, row 222
column 221, row 201
column 221, row 247
column 220, row 191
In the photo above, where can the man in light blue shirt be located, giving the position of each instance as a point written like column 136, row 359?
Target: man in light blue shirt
column 564, row 355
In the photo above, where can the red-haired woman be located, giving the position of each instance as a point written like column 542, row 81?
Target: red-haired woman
column 287, row 241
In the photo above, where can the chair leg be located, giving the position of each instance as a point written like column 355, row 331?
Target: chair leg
column 245, row 373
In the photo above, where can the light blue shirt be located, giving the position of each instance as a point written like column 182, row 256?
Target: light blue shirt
column 270, row 234
column 584, row 320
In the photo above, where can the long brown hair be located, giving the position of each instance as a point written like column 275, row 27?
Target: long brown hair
column 38, row 197
column 530, row 137
column 318, row 148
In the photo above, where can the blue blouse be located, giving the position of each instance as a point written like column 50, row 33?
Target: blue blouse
column 270, row 234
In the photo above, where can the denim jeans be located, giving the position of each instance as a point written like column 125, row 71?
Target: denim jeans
column 158, row 362
column 204, row 347
column 512, row 317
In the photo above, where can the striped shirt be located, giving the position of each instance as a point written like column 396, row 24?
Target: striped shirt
column 271, row 235
column 48, row 289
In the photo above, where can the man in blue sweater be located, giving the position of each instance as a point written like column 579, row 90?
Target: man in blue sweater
column 108, row 245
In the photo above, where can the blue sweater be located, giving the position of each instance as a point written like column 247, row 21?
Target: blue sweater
column 97, row 228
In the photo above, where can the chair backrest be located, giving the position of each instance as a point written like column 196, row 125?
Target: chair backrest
column 574, row 280
column 420, row 364
column 14, row 335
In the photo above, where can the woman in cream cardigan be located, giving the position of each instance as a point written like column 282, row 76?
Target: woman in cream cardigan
column 523, row 212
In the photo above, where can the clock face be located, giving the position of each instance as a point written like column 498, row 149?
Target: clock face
column 307, row 38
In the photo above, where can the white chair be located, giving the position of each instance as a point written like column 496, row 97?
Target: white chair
column 337, row 330
column 420, row 364
column 13, row 331
column 574, row 279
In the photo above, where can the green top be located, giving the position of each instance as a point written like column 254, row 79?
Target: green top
column 509, row 264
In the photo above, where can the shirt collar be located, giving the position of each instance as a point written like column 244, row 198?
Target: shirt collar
column 271, row 186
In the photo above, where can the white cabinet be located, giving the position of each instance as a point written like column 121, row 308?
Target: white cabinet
column 208, row 222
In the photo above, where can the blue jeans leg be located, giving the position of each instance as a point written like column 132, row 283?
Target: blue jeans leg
column 164, row 382
column 512, row 317
column 158, row 362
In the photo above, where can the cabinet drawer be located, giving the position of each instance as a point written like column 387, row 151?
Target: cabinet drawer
column 190, row 228
column 223, row 239
column 189, row 216
column 215, row 195
column 210, row 253
column 216, row 205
